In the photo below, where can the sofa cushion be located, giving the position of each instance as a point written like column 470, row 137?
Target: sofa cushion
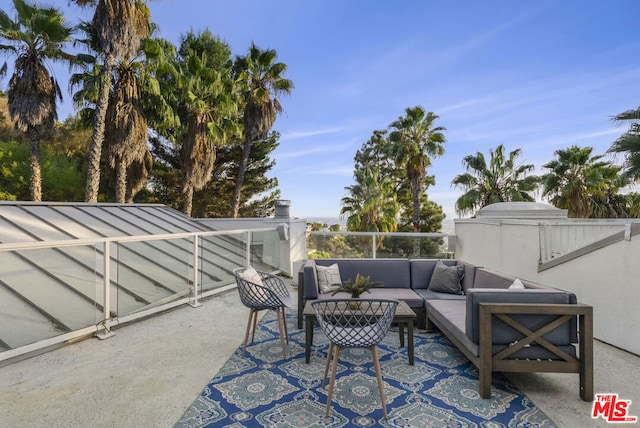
column 422, row 269
column 434, row 295
column 516, row 285
column 502, row 333
column 251, row 275
column 451, row 314
column 328, row 278
column 446, row 279
column 393, row 273
column 310, row 280
column 488, row 278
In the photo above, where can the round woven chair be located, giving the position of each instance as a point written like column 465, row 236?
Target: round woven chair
column 354, row 323
column 259, row 291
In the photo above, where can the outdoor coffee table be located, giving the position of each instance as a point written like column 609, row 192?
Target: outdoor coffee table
column 404, row 317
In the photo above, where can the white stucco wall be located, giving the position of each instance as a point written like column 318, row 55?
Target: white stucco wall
column 607, row 279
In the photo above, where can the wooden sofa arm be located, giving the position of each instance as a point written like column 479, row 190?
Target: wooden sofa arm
column 488, row 363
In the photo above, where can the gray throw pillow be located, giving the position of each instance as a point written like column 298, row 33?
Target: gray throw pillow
column 447, row 279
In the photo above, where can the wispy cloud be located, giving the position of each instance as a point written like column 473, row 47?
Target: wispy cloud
column 298, row 135
column 335, row 170
column 315, row 149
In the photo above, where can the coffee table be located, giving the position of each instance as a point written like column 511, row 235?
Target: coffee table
column 404, row 317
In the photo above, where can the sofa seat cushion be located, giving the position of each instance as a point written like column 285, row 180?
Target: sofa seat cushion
column 451, row 314
column 434, row 295
column 407, row 295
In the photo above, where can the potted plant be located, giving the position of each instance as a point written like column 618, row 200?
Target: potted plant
column 356, row 288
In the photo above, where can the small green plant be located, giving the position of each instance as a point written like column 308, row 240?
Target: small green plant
column 356, row 288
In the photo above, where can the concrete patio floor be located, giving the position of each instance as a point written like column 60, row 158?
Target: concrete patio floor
column 150, row 371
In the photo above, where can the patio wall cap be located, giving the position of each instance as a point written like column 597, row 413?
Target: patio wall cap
column 521, row 210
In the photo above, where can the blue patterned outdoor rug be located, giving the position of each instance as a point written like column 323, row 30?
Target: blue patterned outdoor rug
column 440, row 390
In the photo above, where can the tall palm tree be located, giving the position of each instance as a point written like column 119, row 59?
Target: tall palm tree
column 126, row 134
column 502, row 180
column 207, row 105
column 128, row 158
column 263, row 81
column 120, row 27
column 629, row 143
column 575, row 179
column 415, row 141
column 35, row 36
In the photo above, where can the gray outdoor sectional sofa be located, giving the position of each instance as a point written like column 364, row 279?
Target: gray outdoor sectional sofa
column 498, row 327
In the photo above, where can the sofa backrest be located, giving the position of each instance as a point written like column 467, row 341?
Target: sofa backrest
column 503, row 334
column 488, row 278
column 310, row 279
column 393, row 273
column 422, row 270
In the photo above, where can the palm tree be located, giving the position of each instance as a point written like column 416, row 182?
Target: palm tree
column 206, row 103
column 120, row 27
column 415, row 140
column 371, row 205
column 128, row 156
column 35, row 36
column 502, row 180
column 263, row 81
column 577, row 179
column 629, row 143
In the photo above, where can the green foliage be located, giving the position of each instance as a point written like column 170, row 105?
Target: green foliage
column 62, row 179
column 431, row 217
column 318, row 255
column 629, row 144
column 259, row 191
column 390, row 177
column 362, row 284
column 339, row 246
column 14, row 171
column 503, row 179
column 581, row 183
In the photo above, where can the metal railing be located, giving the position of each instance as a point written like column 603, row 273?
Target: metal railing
column 558, row 239
column 380, row 244
column 59, row 291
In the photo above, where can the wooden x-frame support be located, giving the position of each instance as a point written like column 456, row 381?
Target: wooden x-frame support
column 564, row 363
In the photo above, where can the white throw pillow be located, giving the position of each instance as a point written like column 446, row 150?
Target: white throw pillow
column 251, row 275
column 328, row 278
column 517, row 285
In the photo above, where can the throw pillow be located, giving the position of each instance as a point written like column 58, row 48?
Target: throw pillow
column 328, row 278
column 260, row 295
column 517, row 285
column 447, row 279
column 251, row 275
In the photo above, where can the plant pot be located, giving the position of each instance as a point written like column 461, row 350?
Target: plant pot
column 354, row 305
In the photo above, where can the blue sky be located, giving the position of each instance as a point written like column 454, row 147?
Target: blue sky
column 540, row 76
